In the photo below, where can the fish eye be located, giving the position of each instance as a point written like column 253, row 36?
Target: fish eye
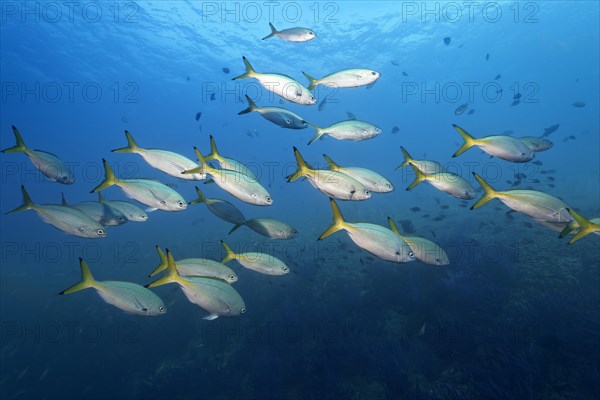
column 373, row 73
column 287, row 121
column 411, row 254
column 232, row 277
column 100, row 232
column 388, row 185
column 269, row 200
column 180, row 203
column 243, row 310
column 532, row 155
column 285, row 269
column 161, row 309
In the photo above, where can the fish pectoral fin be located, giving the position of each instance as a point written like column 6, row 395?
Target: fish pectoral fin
column 210, row 317
column 151, row 209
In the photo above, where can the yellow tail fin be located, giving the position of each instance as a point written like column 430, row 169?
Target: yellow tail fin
column 313, row 82
column 214, row 153
column 109, row 178
column 420, row 177
column 131, row 147
column 163, row 263
column 585, row 226
column 488, row 192
column 202, row 167
column 20, row 146
column 27, row 202
column 201, row 198
column 230, row 255
column 407, row 158
column 87, row 280
column 393, row 227
column 338, row 221
column 251, row 107
column 250, row 72
column 273, row 32
column 303, row 168
column 470, row 141
column 332, row 165
column 171, row 276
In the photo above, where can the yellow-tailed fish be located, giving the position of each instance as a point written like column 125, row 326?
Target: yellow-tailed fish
column 425, row 166
column 47, row 163
column 67, row 219
column 100, row 212
column 297, row 34
column 269, row 227
column 535, row 204
column 505, row 147
column 259, row 262
column 347, row 78
column 281, row 85
column 156, row 195
column 583, row 226
column 448, row 182
column 131, row 211
column 277, row 115
column 163, row 160
column 126, row 296
column 376, row 239
column 218, row 298
column 370, row 179
column 424, row 249
column 239, row 185
column 221, row 208
column 332, row 183
column 346, row 130
column 197, row 267
column 536, row 144
column 225, row 162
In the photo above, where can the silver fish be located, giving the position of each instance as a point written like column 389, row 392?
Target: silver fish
column 424, row 249
column 259, row 262
column 425, row 166
column 297, row 34
column 221, row 208
column 226, row 162
column 269, row 227
column 448, row 182
column 347, row 78
column 131, row 211
column 504, row 147
column 100, row 212
column 370, row 179
column 347, row 130
column 277, row 115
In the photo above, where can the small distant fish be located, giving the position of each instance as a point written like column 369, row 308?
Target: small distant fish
column 439, row 218
column 528, row 224
column 550, row 178
column 212, row 97
column 396, row 63
column 198, row 115
column 350, row 115
column 535, row 181
column 445, row 207
column 187, row 78
column 548, row 171
column 515, row 103
column 570, row 137
column 487, row 57
column 497, row 77
column 395, row 130
column 225, row 70
column 404, row 73
column 407, row 226
column 579, row 104
column 297, row 34
column 537, row 162
column 425, row 216
column 517, row 96
column 461, row 109
column 471, row 111
column 447, row 40
column 415, row 209
column 422, row 330
column 322, row 104
column 550, row 130
column 551, row 185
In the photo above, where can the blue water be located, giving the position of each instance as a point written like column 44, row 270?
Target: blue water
column 515, row 315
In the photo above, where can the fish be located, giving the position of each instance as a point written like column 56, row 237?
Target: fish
column 239, row 185
column 536, row 144
column 66, row 219
column 322, row 104
column 259, row 262
column 425, row 166
column 198, row 115
column 570, row 137
column 370, row 179
column 408, row 226
column 376, row 239
column 297, row 34
column 346, row 130
column 448, row 182
column 550, row 130
column 350, row 115
column 537, row 205
column 583, row 226
column 218, row 298
column 99, row 212
column 447, row 40
column 471, row 111
column 154, row 194
column 395, row 130
column 126, row 296
column 395, row 63
column 537, row 162
column 517, row 96
column 163, row 160
column 331, row 183
column 550, row 178
column 347, row 78
column 225, row 70
column 47, row 163
column 423, row 249
column 131, row 211
column 487, row 57
column 504, row 147
column 579, row 104
column 515, row 103
column 271, row 228
column 415, row 209
column 196, row 267
column 226, row 162
column 221, row 208
column 282, row 85
column 404, row 73
column 277, row 115
column 461, row 109
column 497, row 77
